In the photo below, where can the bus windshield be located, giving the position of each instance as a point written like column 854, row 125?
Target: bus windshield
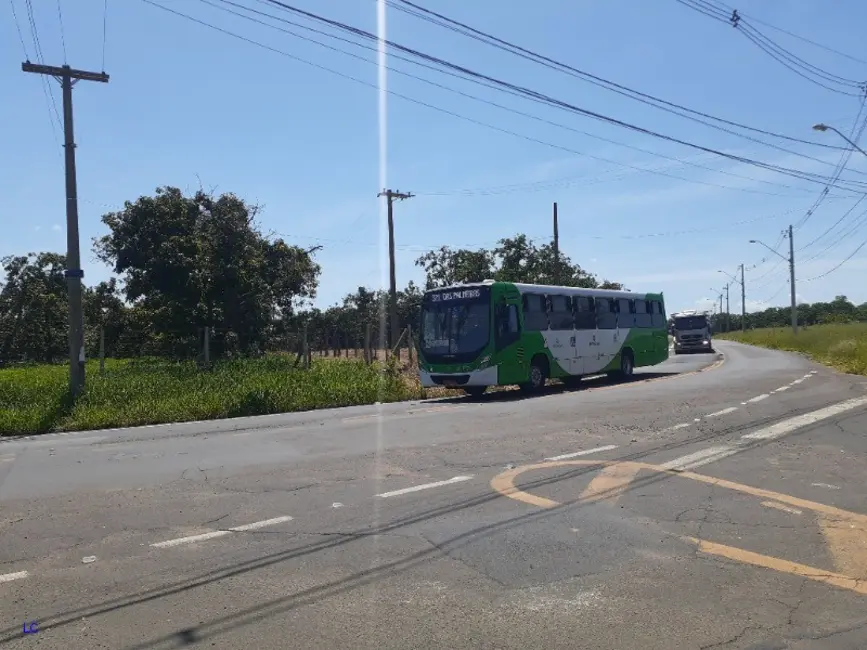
column 455, row 330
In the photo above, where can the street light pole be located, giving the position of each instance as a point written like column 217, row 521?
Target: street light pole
column 743, row 294
column 825, row 127
column 791, row 260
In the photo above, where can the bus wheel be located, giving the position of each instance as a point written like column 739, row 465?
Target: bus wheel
column 538, row 375
column 627, row 364
column 475, row 391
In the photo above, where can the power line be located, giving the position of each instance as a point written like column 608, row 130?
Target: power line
column 104, row 30
column 441, row 20
column 835, row 224
column 62, row 35
column 786, row 58
column 47, row 89
column 440, row 109
column 808, row 176
column 830, row 271
column 18, row 28
column 488, row 102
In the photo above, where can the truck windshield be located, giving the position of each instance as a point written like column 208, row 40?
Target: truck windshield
column 690, row 323
column 455, row 330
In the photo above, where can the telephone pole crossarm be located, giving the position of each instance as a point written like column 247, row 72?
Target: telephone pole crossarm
column 64, row 71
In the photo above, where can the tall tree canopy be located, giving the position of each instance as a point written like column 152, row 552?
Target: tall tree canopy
column 515, row 259
column 198, row 261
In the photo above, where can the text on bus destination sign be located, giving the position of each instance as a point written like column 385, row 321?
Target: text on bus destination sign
column 455, row 295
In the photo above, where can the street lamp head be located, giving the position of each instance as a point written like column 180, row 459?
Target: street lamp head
column 820, row 127
column 753, row 241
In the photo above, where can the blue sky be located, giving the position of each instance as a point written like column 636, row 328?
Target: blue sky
column 187, row 104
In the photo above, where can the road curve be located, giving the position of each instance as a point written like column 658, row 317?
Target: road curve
column 734, row 516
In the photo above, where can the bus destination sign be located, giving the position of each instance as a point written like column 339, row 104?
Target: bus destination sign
column 464, row 294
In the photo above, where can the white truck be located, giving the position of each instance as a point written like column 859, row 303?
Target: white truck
column 691, row 331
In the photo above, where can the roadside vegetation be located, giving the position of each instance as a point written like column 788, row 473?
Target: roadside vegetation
column 842, row 346
column 152, row 391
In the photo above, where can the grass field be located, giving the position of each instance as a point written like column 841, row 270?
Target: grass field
column 33, row 399
column 843, row 347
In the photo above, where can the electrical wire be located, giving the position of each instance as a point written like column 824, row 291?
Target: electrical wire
column 104, row 30
column 441, row 20
column 47, row 89
column 479, row 99
column 832, row 226
column 853, row 228
column 808, row 176
column 62, row 35
column 831, row 270
column 431, row 106
column 18, row 28
column 791, row 61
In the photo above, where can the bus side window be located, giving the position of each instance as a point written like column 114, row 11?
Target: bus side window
column 625, row 313
column 535, row 313
column 658, row 317
column 508, row 328
column 584, row 319
column 561, row 312
column 643, row 315
column 606, row 317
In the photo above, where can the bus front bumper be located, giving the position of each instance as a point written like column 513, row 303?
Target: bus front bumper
column 486, row 377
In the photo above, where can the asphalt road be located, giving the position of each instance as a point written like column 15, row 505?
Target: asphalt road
column 705, row 504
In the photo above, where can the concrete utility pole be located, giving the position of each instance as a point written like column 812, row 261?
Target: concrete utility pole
column 392, row 290
column 728, row 319
column 791, row 260
column 556, row 247
column 743, row 301
column 68, row 77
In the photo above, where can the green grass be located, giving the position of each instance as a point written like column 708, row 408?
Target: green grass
column 843, row 347
column 34, row 400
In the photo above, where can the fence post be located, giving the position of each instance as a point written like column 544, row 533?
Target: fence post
column 367, row 358
column 207, row 346
column 409, row 343
column 305, row 348
column 101, row 348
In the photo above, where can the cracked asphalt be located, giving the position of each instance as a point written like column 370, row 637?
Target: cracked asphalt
column 678, row 510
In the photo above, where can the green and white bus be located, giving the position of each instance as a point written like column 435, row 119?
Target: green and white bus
column 503, row 333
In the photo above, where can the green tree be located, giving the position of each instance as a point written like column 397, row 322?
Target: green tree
column 195, row 262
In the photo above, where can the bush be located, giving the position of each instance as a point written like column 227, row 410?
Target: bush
column 149, row 391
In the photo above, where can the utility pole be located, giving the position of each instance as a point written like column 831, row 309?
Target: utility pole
column 68, row 77
column 728, row 315
column 556, row 248
column 743, row 302
column 792, row 281
column 392, row 290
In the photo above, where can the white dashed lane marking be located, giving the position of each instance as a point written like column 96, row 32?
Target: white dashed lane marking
column 190, row 539
column 586, row 452
column 778, row 430
column 730, row 409
column 426, row 486
column 757, row 398
column 9, row 577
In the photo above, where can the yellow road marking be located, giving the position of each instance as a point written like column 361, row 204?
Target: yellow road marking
column 844, row 531
column 783, row 566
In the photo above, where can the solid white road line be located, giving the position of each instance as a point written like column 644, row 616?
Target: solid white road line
column 220, row 533
column 425, row 486
column 787, row 426
column 780, row 389
column 757, row 398
column 9, row 577
column 582, row 453
column 730, row 409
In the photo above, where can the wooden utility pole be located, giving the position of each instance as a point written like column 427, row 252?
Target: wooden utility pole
column 556, row 247
column 792, row 281
column 68, row 77
column 391, row 197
